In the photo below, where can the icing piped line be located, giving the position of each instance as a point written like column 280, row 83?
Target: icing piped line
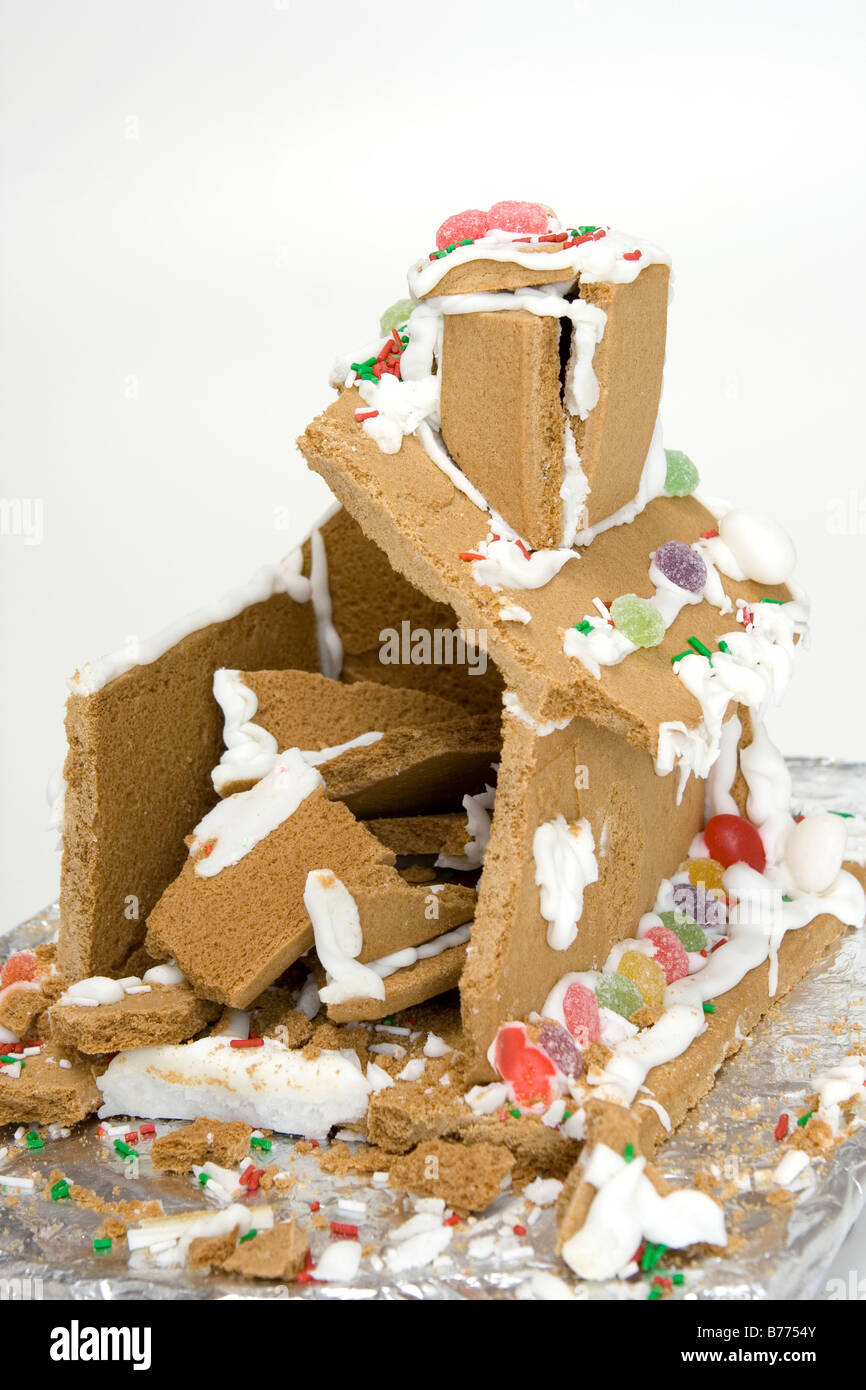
column 251, row 750
column 283, row 578
column 339, row 940
column 236, row 825
column 330, row 645
column 479, row 824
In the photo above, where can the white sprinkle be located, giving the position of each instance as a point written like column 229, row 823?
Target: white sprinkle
column 19, row 1133
column 390, row 1028
column 380, row 1179
column 65, row 1064
column 436, row 1205
column 138, row 989
column 349, row 1205
column 388, row 1050
column 436, row 1046
column 25, row 1183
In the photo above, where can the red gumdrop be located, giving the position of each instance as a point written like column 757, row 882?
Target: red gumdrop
column 21, row 966
column 527, row 1069
column 471, row 223
column 519, row 217
column 670, row 953
column 580, row 1011
column 732, row 840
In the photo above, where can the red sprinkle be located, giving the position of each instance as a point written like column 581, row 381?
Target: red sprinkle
column 247, row 1042
column 314, row 1143
column 148, row 1131
column 344, row 1230
column 131, row 1136
column 708, row 535
column 781, row 1128
column 314, row 1206
column 597, row 236
column 361, row 415
column 522, row 547
column 470, row 555
column 452, row 1220
column 519, row 1230
column 723, row 942
column 554, row 236
column 631, row 256
column 253, row 1184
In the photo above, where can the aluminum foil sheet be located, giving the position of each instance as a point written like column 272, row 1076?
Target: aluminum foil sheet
column 779, row 1249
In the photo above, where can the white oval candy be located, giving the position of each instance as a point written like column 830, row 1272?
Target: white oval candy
column 98, row 987
column 761, row 547
column 814, row 850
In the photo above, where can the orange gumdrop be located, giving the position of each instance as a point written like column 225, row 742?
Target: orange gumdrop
column 706, row 872
column 647, row 974
column 21, row 966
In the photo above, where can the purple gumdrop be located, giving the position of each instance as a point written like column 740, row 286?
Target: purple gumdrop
column 696, row 902
column 558, row 1043
column 681, row 565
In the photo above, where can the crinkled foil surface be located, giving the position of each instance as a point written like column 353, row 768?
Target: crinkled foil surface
column 779, row 1249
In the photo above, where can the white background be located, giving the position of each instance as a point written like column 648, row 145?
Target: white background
column 205, row 199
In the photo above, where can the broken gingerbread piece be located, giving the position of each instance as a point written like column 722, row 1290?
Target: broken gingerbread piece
column 55, row 1087
column 279, row 1252
column 466, row 1177
column 167, row 1014
column 204, row 1141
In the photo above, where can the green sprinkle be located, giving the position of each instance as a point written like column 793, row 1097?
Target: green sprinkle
column 772, row 600
column 467, row 241
column 700, row 648
column 652, row 1255
column 678, row 1279
column 263, row 1144
column 514, row 1112
column 709, row 1008
column 584, row 231
column 804, row 1119
column 679, row 656
column 11, row 1060
column 388, row 1019
column 846, row 815
column 249, row 1235
column 654, row 1293
column 60, row 1190
column 585, row 627
column 125, row 1150
column 566, row 1114
column 452, row 247
column 33, row 1141
column 103, row 1244
column 628, row 1153
column 203, row 1179
column 723, row 647
column 785, row 898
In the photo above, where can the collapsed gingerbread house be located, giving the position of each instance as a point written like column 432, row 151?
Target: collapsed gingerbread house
column 495, row 727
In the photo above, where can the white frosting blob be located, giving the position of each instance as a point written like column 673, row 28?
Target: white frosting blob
column 814, row 850
column 762, row 549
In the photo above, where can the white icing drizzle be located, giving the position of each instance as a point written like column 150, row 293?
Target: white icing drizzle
column 627, row 1209
column 513, row 613
column 663, row 1115
column 718, row 799
column 237, row 824
column 284, row 578
column 753, row 672
column 575, row 487
column 593, row 261
column 95, row 990
column 507, row 564
column 339, row 939
column 543, row 727
column 478, row 823
column 251, row 751
column 402, row 960
column 330, row 646
column 565, row 864
column 651, row 486
column 169, row 973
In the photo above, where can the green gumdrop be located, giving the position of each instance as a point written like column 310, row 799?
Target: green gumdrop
column 619, row 993
column 395, row 314
column 682, row 477
column 692, row 936
column 638, row 620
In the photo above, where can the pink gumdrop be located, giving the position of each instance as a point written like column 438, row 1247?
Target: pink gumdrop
column 530, row 218
column 471, row 223
column 21, row 966
column 580, row 1011
column 529, row 1072
column 670, row 953
column 732, row 840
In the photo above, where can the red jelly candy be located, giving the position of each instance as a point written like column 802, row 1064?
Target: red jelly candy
column 670, row 953
column 21, row 966
column 528, row 1070
column 732, row 840
column 530, row 218
column 471, row 223
column 580, row 1010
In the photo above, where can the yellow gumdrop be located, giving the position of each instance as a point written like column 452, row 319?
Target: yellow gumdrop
column 705, row 871
column 647, row 974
